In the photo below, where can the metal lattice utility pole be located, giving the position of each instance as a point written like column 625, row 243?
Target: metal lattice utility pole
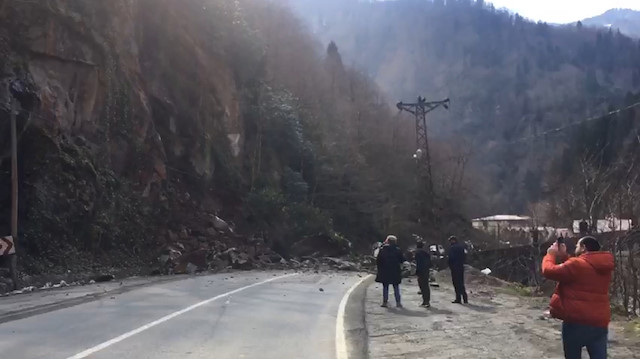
column 420, row 110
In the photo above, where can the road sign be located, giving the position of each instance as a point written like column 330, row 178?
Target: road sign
column 6, row 246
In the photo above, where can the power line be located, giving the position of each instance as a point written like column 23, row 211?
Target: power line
column 545, row 133
column 520, row 140
column 565, row 127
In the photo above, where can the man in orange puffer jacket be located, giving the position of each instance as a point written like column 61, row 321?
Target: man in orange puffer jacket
column 581, row 299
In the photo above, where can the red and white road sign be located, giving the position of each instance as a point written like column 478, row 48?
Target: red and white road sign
column 6, row 246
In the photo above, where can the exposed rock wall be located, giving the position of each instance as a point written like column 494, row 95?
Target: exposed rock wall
column 133, row 99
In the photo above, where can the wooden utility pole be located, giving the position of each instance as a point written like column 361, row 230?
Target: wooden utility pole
column 13, row 259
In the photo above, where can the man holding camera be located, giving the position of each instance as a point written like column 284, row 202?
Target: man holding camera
column 581, row 298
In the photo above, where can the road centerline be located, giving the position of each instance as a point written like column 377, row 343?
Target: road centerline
column 102, row 346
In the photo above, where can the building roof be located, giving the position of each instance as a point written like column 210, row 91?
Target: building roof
column 504, row 217
column 607, row 225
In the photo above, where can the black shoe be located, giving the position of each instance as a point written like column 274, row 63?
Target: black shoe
column 399, row 305
column 426, row 305
column 419, row 293
column 465, row 301
column 384, row 305
column 456, row 302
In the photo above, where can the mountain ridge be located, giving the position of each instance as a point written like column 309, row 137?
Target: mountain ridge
column 625, row 20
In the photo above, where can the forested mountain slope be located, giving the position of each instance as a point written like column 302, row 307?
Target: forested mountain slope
column 142, row 120
column 507, row 78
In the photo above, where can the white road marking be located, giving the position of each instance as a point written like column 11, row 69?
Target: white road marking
column 341, row 340
column 124, row 336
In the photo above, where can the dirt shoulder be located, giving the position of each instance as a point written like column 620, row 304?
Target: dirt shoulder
column 496, row 324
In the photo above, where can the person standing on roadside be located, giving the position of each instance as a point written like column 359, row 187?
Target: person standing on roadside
column 389, row 263
column 423, row 267
column 457, row 258
column 581, row 298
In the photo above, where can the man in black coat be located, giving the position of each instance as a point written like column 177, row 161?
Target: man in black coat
column 423, row 266
column 389, row 263
column 457, row 258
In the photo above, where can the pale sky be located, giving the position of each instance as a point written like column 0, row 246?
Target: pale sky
column 563, row 11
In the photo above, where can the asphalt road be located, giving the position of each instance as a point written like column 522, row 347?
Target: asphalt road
column 241, row 315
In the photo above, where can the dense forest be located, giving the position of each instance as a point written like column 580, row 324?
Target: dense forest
column 515, row 86
column 148, row 122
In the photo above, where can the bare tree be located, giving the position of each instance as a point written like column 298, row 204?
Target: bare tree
column 595, row 184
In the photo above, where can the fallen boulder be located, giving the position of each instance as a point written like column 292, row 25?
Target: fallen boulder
column 239, row 260
column 264, row 259
column 192, row 262
column 408, row 269
column 275, row 257
column 368, row 261
column 220, row 262
column 101, row 278
column 220, row 224
column 342, row 264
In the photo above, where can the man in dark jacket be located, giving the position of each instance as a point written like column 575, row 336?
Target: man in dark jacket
column 389, row 263
column 457, row 258
column 423, row 266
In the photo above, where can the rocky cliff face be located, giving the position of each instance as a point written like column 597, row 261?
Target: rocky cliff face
column 142, row 64
column 135, row 108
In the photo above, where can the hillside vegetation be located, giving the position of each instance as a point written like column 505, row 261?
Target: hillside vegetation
column 148, row 119
column 512, row 83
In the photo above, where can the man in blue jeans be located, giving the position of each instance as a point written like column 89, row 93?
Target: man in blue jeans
column 389, row 263
column 581, row 298
column 578, row 336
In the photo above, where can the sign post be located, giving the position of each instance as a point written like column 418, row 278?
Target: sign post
column 13, row 260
